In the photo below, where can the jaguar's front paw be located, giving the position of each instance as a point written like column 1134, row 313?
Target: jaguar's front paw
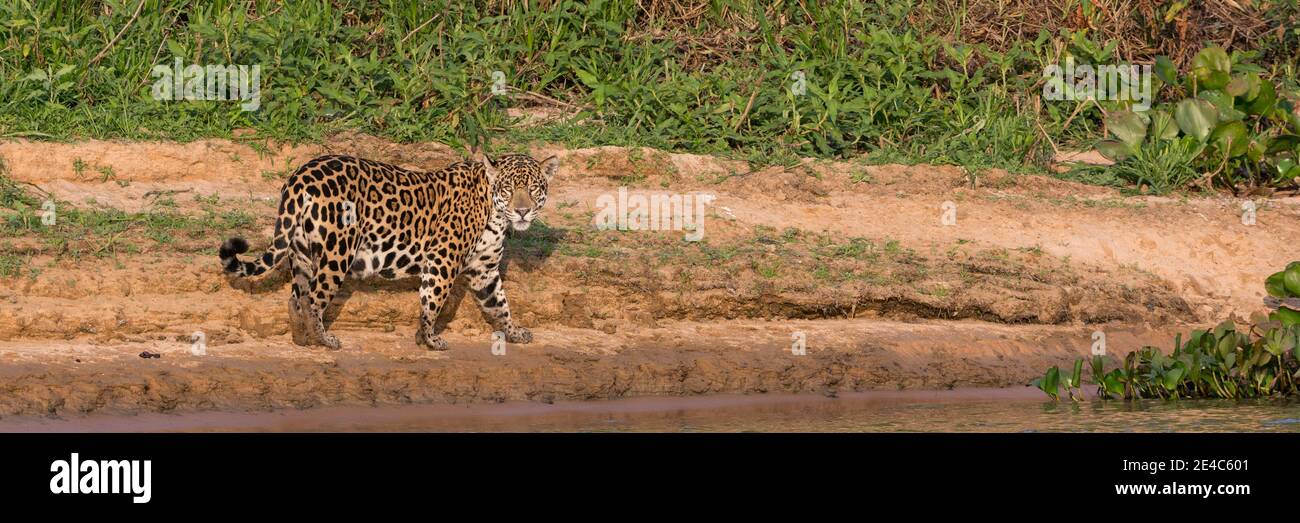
column 432, row 342
column 518, row 335
column 331, row 341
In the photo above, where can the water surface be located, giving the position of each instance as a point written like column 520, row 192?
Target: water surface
column 960, row 410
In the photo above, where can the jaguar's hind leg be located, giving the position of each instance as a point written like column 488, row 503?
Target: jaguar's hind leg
column 315, row 280
column 328, row 280
column 305, row 304
column 297, row 312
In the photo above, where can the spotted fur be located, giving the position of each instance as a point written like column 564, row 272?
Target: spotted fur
column 343, row 217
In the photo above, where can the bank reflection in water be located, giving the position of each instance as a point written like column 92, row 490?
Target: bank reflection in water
column 961, row 410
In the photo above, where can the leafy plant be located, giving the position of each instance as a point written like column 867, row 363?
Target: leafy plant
column 719, row 81
column 1231, row 129
column 1050, row 383
column 1225, row 362
column 1285, row 284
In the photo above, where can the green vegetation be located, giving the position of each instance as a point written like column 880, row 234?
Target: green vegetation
column 921, row 81
column 107, row 225
column 100, row 231
column 10, row 264
column 1225, row 362
column 1231, row 126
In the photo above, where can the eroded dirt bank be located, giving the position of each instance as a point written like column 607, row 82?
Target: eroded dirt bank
column 854, row 258
column 562, row 364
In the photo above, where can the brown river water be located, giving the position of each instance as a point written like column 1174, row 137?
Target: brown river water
column 959, row 410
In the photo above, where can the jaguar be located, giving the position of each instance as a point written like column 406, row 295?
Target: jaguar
column 345, row 217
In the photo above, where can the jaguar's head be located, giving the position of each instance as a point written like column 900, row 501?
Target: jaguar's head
column 519, row 186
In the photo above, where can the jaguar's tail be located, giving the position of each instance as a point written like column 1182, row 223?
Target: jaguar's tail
column 274, row 254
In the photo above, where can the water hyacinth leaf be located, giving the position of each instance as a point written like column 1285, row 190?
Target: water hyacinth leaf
column 1223, row 103
column 1196, row 118
column 1265, row 101
column 1050, row 383
column 1261, row 358
column 1238, row 86
column 1274, row 285
column 1076, row 377
column 1226, row 346
column 1211, row 68
column 1213, row 80
column 1272, row 344
column 1165, row 70
column 1114, row 150
column 1232, row 138
column 1291, row 279
column 1284, row 166
column 1245, row 363
column 1255, row 151
column 1282, row 143
column 1098, row 365
column 1253, row 85
column 1114, row 382
column 1128, row 126
column 1224, row 327
column 1286, row 316
column 1172, row 377
column 1162, row 125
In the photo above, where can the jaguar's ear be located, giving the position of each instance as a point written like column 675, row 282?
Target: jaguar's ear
column 550, row 166
column 489, row 169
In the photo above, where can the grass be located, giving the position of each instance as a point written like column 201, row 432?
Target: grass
column 768, row 270
column 896, row 85
column 768, row 254
column 1160, row 168
column 101, row 231
column 11, row 264
column 107, row 229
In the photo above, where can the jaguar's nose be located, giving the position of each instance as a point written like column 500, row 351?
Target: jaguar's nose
column 522, row 211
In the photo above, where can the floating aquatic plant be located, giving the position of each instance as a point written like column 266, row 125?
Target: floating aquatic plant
column 1225, row 362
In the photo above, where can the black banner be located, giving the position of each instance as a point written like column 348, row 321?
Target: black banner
column 322, row 472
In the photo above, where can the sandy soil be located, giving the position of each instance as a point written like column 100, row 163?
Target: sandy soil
column 853, row 258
